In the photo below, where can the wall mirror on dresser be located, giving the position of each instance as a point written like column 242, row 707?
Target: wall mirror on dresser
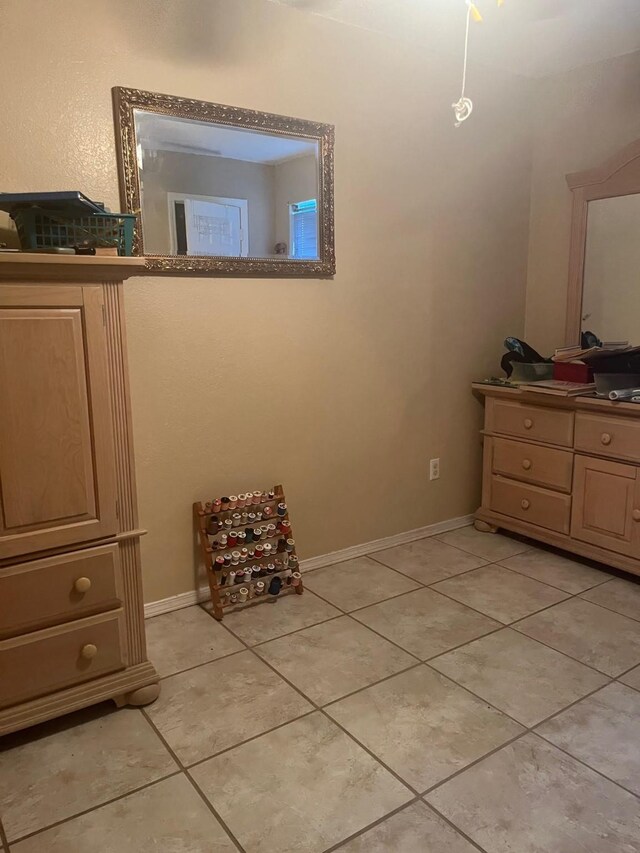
column 604, row 268
column 225, row 190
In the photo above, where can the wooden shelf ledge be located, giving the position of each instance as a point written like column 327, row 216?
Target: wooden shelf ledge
column 43, row 268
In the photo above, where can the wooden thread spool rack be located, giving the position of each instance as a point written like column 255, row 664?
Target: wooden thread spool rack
column 210, row 550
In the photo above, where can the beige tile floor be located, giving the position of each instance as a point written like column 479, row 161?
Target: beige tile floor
column 465, row 692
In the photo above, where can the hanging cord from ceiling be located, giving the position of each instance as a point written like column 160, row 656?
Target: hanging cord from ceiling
column 463, row 108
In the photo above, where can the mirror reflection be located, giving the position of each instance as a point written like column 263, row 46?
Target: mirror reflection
column 611, row 290
column 212, row 190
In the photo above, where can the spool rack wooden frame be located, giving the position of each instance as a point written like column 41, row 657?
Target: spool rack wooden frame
column 210, row 552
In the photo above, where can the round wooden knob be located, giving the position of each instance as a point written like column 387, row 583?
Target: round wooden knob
column 89, row 651
column 82, row 585
column 635, row 515
column 528, row 423
column 526, row 464
column 524, row 503
column 605, row 438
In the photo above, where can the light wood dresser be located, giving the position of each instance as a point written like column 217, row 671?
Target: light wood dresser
column 563, row 470
column 71, row 614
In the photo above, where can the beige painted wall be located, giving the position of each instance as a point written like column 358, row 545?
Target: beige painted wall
column 198, row 174
column 369, row 373
column 579, row 119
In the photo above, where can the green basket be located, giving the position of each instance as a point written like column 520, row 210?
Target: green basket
column 46, row 229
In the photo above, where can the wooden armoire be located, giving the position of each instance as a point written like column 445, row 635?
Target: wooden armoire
column 71, row 613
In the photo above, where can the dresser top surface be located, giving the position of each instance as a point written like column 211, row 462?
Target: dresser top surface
column 555, row 401
column 40, row 267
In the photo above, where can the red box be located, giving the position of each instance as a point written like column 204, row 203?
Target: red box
column 571, row 371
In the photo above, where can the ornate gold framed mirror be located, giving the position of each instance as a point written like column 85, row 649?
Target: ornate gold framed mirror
column 604, row 261
column 224, row 190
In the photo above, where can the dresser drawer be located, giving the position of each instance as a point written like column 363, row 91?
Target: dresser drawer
column 49, row 660
column 532, row 463
column 58, row 589
column 530, row 503
column 607, row 436
column 535, row 423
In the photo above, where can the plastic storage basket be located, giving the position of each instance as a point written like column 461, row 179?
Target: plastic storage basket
column 46, row 229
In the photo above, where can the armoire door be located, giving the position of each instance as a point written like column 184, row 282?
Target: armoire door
column 57, row 479
column 606, row 505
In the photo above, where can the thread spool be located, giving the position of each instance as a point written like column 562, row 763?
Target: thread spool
column 260, row 588
column 267, row 511
column 296, row 578
column 258, row 516
column 257, row 497
column 232, row 538
column 227, row 560
column 242, row 499
column 282, row 545
column 288, row 578
column 234, row 598
column 271, row 568
column 236, row 519
column 252, row 591
column 233, row 501
column 282, row 509
column 216, row 505
column 219, row 563
column 252, row 518
column 224, row 503
column 271, row 496
column 223, row 540
column 232, row 578
column 239, row 576
column 248, row 534
column 275, row 586
column 235, row 558
column 293, row 562
column 228, row 524
column 243, row 593
column 259, row 551
column 290, row 545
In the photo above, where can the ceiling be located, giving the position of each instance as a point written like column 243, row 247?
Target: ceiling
column 157, row 132
column 535, row 38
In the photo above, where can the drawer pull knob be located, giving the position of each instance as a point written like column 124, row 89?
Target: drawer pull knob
column 605, row 438
column 528, row 423
column 526, row 464
column 82, row 585
column 636, row 515
column 524, row 503
column 89, row 651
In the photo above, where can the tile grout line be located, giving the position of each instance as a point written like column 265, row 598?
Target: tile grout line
column 609, row 609
column 184, row 772
column 4, row 841
column 95, row 808
column 584, row 763
column 371, row 825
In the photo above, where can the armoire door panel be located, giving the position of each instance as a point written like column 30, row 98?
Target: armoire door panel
column 56, row 446
column 606, row 499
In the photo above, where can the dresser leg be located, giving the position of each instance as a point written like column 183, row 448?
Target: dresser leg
column 484, row 526
column 142, row 696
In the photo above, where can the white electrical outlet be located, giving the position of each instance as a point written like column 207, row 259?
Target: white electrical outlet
column 434, row 469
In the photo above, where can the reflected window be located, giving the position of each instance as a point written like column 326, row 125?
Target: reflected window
column 303, row 218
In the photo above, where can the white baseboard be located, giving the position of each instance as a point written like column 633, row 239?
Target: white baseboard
column 176, row 602
column 187, row 599
column 381, row 544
